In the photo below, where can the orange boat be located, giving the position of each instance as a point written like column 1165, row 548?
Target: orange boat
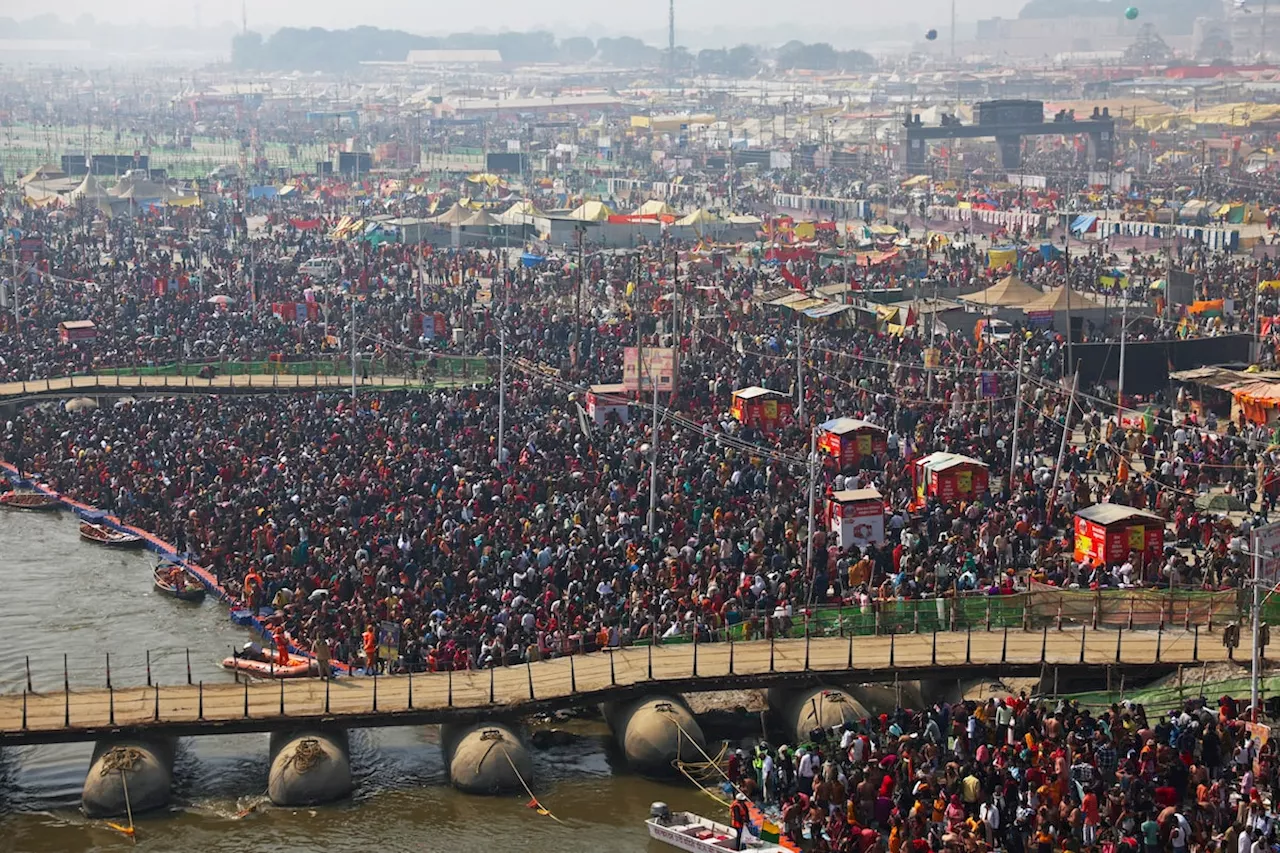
column 28, row 500
column 296, row 667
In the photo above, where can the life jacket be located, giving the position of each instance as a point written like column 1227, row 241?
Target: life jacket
column 738, row 814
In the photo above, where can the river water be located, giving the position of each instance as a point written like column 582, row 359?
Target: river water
column 61, row 595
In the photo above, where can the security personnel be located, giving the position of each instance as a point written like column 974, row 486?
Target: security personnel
column 739, row 819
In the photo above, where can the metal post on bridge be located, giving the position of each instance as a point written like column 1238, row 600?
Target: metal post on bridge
column 968, row 645
column 651, row 641
column 771, row 638
column 491, row 696
column 449, row 698
column 695, row 649
column 200, row 700
column 24, row 709
column 375, row 688
column 528, row 668
column 188, row 666
column 1044, row 644
column 375, row 698
column 329, row 680
column 933, row 653
column 156, row 716
column 148, row 667
column 1159, row 640
column 850, row 664
column 1084, row 632
column 893, row 642
column 1195, row 649
column 1004, row 645
column 573, row 676
column 108, row 670
column 411, row 689
column 246, row 698
column 66, row 693
column 29, row 690
column 1119, row 634
column 806, row 643
column 613, row 676
column 729, row 632
column 111, row 706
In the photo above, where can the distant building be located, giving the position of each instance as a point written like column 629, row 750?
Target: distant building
column 454, row 57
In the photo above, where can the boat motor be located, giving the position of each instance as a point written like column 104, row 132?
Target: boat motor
column 660, row 812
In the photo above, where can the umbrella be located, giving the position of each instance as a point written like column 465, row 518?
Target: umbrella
column 1220, row 502
column 77, row 404
column 220, row 299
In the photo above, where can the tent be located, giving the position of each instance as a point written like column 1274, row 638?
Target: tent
column 480, row 219
column 89, row 190
column 1009, row 292
column 42, row 173
column 456, row 215
column 520, row 213
column 654, row 207
column 701, row 216
column 591, row 211
column 1057, row 300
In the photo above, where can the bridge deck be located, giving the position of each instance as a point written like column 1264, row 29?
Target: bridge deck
column 111, row 383
column 547, row 685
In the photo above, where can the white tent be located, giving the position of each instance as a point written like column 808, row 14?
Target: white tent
column 654, row 207
column 591, row 211
column 522, row 212
column 89, row 190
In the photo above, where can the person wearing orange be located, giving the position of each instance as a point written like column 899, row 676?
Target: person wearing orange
column 252, row 588
column 282, row 646
column 739, row 818
column 370, row 649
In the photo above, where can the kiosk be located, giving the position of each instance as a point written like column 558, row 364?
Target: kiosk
column 845, row 441
column 856, row 517
column 1106, row 533
column 70, row 331
column 948, row 477
column 761, row 408
column 605, row 400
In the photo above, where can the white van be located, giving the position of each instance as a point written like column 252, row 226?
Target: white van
column 321, row 268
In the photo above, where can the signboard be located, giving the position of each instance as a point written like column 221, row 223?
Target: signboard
column 388, row 641
column 1264, row 542
column 990, row 384
column 639, row 372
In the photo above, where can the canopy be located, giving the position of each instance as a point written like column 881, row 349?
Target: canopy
column 456, row 215
column 654, row 207
column 701, row 216
column 89, row 190
column 519, row 213
column 1009, row 292
column 591, row 211
column 481, row 219
column 1058, row 300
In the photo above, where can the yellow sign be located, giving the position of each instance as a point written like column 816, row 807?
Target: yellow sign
column 964, row 482
column 864, row 445
column 1084, row 544
column 1137, row 538
column 804, row 231
column 770, row 410
column 930, row 356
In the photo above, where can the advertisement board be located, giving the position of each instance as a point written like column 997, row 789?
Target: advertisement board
column 639, row 371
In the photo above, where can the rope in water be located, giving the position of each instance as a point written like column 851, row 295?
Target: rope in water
column 533, row 801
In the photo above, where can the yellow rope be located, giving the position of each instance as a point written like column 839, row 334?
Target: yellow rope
column 306, row 755
column 541, row 808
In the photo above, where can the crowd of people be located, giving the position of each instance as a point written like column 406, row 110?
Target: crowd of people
column 1014, row 774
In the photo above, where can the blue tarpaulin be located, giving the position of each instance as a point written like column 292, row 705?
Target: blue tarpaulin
column 529, row 259
column 1084, row 223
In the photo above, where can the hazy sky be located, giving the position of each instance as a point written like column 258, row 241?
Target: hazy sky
column 440, row 17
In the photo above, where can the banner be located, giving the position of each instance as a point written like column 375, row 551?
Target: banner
column 657, row 364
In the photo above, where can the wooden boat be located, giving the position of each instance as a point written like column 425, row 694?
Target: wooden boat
column 295, row 667
column 103, row 535
column 29, row 501
column 175, row 581
column 695, row 834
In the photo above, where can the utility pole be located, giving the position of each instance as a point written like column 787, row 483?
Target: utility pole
column 352, row 297
column 799, row 373
column 671, row 41
column 1124, row 327
column 1062, row 447
column 953, row 30
column 1255, row 663
column 653, row 461
column 502, row 390
column 1017, row 411
column 809, row 523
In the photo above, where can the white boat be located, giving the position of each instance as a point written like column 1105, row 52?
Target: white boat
column 696, row 834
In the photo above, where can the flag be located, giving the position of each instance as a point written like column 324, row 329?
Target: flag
column 769, row 832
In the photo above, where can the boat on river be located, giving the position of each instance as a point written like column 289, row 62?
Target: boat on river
column 696, row 834
column 176, row 582
column 103, row 535
column 295, row 667
column 34, row 501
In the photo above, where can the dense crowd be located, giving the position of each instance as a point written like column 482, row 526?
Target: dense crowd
column 1018, row 775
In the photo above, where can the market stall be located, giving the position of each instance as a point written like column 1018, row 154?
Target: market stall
column 761, row 408
column 70, row 331
column 948, row 477
column 1108, row 533
column 845, row 441
column 856, row 517
column 606, row 400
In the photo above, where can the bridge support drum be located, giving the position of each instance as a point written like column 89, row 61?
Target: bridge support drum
column 655, row 732
column 798, row 712
column 486, row 758
column 309, row 767
column 140, row 769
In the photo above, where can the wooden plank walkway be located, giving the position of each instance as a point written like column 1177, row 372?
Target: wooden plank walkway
column 583, row 680
column 112, row 383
